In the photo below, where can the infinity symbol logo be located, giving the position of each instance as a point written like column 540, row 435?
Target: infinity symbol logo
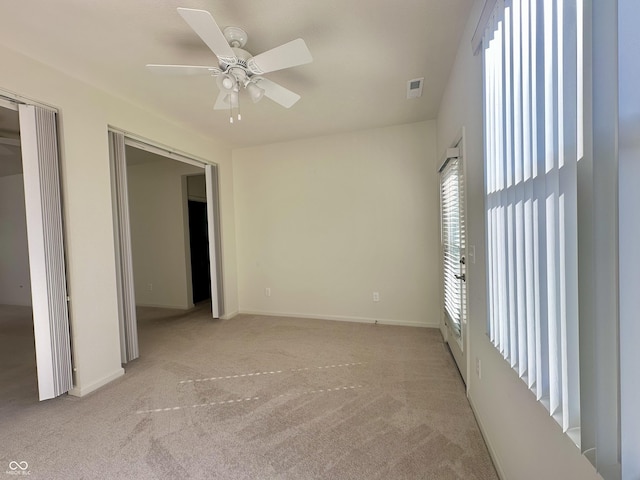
column 13, row 465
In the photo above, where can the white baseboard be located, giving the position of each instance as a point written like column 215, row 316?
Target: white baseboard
column 81, row 391
column 492, row 453
column 342, row 318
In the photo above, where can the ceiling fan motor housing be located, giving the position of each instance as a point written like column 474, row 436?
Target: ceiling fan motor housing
column 243, row 58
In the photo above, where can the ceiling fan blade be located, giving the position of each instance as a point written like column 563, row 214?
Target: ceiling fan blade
column 183, row 69
column 278, row 93
column 207, row 29
column 222, row 102
column 288, row 55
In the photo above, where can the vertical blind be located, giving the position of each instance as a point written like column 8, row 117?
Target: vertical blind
column 600, row 334
column 453, row 242
column 532, row 99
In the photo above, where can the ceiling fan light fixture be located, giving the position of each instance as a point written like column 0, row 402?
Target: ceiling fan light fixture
column 231, row 99
column 255, row 92
column 226, row 82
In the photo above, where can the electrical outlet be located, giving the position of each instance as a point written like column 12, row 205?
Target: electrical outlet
column 376, row 296
column 150, row 287
column 267, row 292
column 478, row 368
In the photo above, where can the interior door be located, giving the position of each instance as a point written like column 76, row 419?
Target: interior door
column 453, row 237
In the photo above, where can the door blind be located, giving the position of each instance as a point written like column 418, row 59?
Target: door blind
column 453, row 243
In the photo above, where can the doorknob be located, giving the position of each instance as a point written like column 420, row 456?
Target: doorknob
column 462, row 277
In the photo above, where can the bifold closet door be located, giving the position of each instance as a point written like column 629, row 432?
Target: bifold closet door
column 124, row 262
column 215, row 247
column 39, row 145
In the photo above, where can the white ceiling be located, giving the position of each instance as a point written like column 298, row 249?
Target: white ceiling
column 364, row 54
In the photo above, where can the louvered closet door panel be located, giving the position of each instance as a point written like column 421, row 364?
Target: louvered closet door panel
column 126, row 291
column 46, row 251
column 215, row 247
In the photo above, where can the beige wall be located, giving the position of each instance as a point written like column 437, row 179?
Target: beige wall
column 15, row 286
column 159, row 232
column 525, row 441
column 325, row 222
column 85, row 114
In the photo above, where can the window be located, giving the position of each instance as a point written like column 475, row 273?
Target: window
column 558, row 205
column 532, row 95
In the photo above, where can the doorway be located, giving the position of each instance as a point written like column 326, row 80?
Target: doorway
column 33, row 298
column 199, row 249
column 18, row 378
column 165, row 258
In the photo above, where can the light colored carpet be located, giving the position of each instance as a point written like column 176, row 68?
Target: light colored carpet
column 254, row 398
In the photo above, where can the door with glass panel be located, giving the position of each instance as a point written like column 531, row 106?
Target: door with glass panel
column 453, row 239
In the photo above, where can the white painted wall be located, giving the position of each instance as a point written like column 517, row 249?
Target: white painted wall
column 15, row 286
column 85, row 114
column 525, row 441
column 325, row 222
column 159, row 232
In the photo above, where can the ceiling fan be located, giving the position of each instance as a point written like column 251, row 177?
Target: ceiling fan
column 237, row 69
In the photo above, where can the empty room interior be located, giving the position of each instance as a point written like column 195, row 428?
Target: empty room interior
column 320, row 240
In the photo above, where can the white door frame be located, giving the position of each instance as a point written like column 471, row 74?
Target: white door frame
column 213, row 216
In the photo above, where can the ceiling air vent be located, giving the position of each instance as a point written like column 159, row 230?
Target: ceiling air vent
column 414, row 87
